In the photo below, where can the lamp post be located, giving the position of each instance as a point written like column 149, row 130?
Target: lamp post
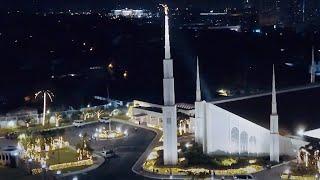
column 44, row 94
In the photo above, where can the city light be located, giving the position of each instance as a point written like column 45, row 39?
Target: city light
column 126, row 132
column 300, row 132
column 187, row 145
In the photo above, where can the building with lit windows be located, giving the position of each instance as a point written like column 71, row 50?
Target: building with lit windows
column 130, row 13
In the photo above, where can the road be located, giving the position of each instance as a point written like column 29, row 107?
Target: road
column 128, row 150
column 273, row 173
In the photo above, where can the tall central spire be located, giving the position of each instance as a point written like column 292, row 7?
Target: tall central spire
column 167, row 33
column 169, row 110
column 198, row 92
column 274, row 96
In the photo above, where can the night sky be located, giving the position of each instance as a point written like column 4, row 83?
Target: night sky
column 109, row 4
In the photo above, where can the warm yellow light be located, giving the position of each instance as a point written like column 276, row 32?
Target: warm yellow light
column 86, row 162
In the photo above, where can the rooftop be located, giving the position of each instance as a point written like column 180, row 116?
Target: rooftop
column 297, row 108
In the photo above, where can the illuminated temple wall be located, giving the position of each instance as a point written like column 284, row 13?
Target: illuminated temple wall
column 227, row 133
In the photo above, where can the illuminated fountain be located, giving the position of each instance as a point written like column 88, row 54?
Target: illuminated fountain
column 104, row 134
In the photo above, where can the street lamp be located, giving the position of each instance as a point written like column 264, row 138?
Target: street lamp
column 44, row 94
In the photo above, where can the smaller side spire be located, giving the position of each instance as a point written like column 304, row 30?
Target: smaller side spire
column 274, row 95
column 198, row 91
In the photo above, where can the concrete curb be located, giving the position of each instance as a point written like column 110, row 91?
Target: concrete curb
column 137, row 167
column 278, row 165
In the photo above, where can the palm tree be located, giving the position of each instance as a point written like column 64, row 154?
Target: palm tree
column 44, row 94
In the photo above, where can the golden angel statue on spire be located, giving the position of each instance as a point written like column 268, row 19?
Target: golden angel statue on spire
column 166, row 8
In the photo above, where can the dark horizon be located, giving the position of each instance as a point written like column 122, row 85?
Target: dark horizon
column 107, row 4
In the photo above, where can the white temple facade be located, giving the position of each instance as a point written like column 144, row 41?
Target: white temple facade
column 169, row 110
column 222, row 132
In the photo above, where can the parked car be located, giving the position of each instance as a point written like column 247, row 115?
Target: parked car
column 108, row 153
column 104, row 120
column 78, row 123
column 248, row 176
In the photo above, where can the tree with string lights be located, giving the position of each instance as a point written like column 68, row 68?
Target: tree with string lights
column 43, row 94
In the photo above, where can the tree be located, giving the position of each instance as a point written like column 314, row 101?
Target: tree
column 99, row 113
column 44, row 94
column 83, row 147
column 58, row 118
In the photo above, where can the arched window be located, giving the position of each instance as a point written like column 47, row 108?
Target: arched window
column 244, row 142
column 252, row 144
column 234, row 140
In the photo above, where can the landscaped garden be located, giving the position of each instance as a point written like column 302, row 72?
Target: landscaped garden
column 60, row 119
column 193, row 162
column 55, row 154
column 307, row 165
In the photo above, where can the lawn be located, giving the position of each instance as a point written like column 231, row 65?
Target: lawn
column 63, row 155
column 121, row 117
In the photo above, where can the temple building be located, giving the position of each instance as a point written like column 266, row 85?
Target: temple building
column 254, row 125
column 221, row 131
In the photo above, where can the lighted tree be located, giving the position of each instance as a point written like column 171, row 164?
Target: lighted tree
column 43, row 94
column 99, row 113
column 58, row 118
column 83, row 148
column 86, row 115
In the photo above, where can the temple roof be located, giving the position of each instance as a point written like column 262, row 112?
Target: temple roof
column 297, row 108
